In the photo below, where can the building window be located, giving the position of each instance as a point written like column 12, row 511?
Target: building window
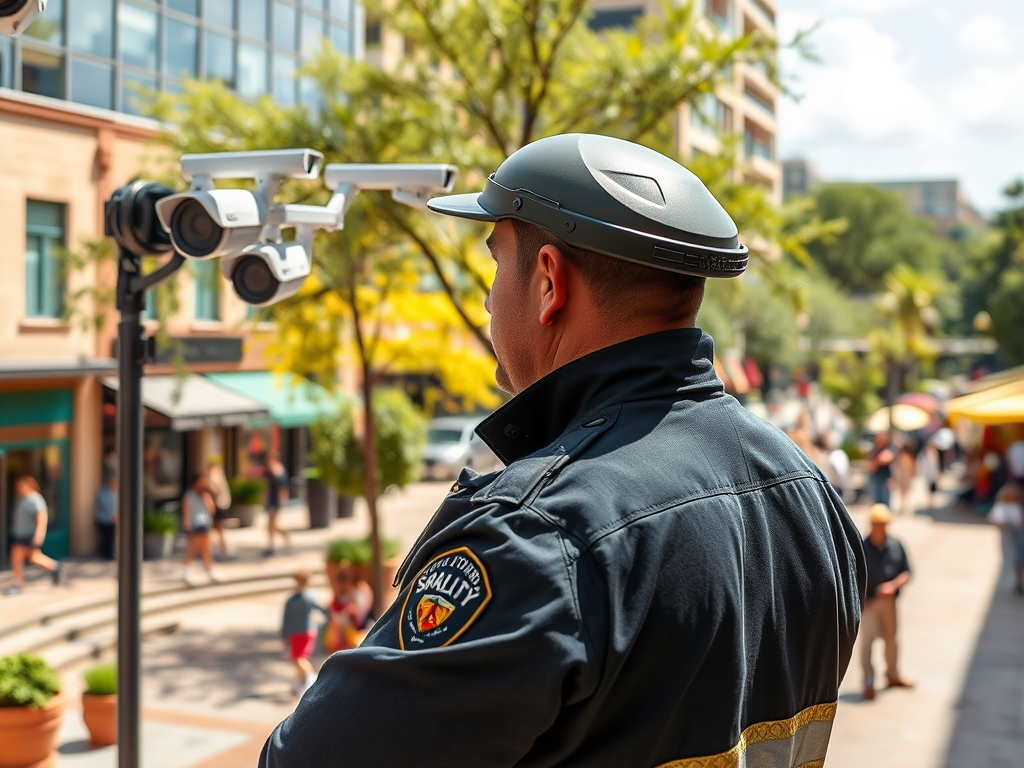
column 312, row 34
column 284, row 26
column 220, row 12
column 137, row 33
column 191, row 7
column 284, row 79
column 720, row 12
column 253, row 22
column 373, row 33
column 44, row 237
column 181, row 44
column 207, row 277
column 755, row 96
column 340, row 39
column 42, row 73
column 48, row 27
column 710, row 114
column 135, row 93
column 252, row 71
column 220, row 58
column 758, row 143
column 92, row 27
column 341, row 9
column 6, row 63
column 619, row 18
column 92, row 84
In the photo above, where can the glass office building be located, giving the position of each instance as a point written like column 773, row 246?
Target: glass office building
column 102, row 52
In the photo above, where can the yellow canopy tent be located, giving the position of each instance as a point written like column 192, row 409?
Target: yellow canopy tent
column 1002, row 404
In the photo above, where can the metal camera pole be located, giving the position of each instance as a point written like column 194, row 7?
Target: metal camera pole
column 131, row 221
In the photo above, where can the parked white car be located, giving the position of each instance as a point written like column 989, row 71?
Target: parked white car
column 452, row 445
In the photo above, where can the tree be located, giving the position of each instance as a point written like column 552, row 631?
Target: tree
column 880, row 235
column 995, row 280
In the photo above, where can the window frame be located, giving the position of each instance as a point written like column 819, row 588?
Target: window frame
column 48, row 268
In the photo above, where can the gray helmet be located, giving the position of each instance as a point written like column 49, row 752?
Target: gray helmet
column 612, row 197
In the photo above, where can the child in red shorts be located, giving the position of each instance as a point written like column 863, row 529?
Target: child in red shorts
column 298, row 630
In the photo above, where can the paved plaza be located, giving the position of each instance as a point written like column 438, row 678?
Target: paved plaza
column 216, row 687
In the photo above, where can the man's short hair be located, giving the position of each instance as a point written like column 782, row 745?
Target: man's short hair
column 622, row 288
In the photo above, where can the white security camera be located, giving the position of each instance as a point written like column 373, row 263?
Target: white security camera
column 16, row 15
column 410, row 183
column 292, row 163
column 218, row 222
column 264, row 274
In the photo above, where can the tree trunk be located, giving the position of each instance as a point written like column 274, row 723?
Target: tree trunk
column 370, row 489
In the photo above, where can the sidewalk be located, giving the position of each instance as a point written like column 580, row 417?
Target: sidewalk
column 403, row 513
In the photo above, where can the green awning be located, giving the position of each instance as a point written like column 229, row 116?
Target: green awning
column 291, row 402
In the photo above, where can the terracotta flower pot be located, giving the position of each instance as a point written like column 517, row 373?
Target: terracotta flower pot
column 100, row 715
column 29, row 734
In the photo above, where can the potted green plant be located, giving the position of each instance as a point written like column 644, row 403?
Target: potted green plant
column 359, row 553
column 247, row 497
column 158, row 529
column 99, row 704
column 31, row 709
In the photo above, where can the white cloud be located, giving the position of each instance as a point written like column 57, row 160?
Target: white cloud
column 872, row 6
column 990, row 100
column 862, row 91
column 985, row 35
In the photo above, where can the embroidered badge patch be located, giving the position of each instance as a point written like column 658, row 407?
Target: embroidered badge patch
column 446, row 597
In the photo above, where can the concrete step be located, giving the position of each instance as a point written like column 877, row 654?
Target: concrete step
column 94, row 645
column 85, row 618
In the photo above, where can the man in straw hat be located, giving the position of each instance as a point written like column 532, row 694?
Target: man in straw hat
column 888, row 570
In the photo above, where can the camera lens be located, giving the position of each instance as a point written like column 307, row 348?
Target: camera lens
column 253, row 280
column 194, row 230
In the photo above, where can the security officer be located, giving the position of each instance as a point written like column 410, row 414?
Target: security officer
column 657, row 578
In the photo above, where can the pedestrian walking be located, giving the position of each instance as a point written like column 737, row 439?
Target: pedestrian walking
column 349, row 612
column 220, row 491
column 905, row 471
column 880, row 462
column 104, row 513
column 1008, row 514
column 277, row 497
column 658, row 576
column 888, row 571
column 28, row 533
column 298, row 631
column 196, row 521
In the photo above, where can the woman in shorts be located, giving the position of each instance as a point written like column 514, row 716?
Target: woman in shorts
column 28, row 532
column 196, row 521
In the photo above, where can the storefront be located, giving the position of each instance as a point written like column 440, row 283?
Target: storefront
column 188, row 421
column 293, row 405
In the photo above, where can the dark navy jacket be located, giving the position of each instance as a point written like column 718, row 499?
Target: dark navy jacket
column 657, row 578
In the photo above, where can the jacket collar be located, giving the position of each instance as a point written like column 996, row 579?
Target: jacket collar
column 675, row 364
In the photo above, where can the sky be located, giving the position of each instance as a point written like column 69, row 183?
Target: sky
column 907, row 89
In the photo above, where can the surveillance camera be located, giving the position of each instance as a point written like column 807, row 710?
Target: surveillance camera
column 432, row 177
column 212, row 223
column 264, row 274
column 16, row 15
column 293, row 163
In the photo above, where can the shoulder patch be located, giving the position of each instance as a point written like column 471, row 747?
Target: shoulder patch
column 445, row 598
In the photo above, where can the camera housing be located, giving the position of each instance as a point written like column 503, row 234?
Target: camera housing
column 267, row 273
column 16, row 15
column 218, row 222
column 282, row 163
column 410, row 183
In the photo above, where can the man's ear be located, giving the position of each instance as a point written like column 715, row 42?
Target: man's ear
column 553, row 272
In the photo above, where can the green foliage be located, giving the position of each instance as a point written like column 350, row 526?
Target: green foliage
column 159, row 522
column 247, row 491
column 995, row 279
column 27, row 681
column 880, row 235
column 854, row 381
column 101, row 680
column 359, row 552
column 337, row 452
